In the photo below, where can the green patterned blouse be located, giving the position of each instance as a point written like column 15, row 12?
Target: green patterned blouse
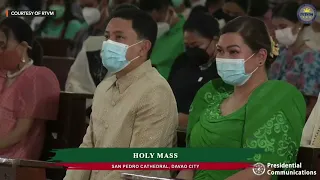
column 272, row 119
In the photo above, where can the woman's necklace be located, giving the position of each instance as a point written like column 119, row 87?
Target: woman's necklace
column 15, row 74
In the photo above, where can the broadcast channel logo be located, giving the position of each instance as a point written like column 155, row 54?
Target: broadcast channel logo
column 307, row 13
column 259, row 169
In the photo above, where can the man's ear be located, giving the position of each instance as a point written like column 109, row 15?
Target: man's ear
column 146, row 47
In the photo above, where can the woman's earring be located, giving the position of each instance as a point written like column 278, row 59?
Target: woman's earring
column 23, row 60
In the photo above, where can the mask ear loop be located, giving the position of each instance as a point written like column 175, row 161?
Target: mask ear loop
column 134, row 45
column 249, row 59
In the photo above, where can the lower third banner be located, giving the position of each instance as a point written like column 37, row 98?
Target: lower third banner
column 156, row 166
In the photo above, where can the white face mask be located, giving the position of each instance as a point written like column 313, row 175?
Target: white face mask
column 198, row 3
column 318, row 17
column 285, row 36
column 91, row 15
column 162, row 28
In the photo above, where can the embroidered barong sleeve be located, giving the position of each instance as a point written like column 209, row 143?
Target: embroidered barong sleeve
column 156, row 120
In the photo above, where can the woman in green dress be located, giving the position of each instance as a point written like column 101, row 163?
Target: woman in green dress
column 63, row 25
column 245, row 109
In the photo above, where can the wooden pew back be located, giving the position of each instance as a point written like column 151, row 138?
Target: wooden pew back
column 60, row 66
column 54, row 47
column 68, row 130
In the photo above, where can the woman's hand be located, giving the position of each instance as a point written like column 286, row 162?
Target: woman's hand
column 19, row 132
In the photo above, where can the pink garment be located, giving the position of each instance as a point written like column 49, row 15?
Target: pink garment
column 33, row 94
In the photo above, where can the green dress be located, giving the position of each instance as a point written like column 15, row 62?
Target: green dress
column 272, row 119
column 167, row 48
column 52, row 30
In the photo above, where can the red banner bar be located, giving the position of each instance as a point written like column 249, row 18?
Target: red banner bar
column 155, row 166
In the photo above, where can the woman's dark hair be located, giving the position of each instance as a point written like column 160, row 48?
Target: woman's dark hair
column 202, row 23
column 23, row 32
column 287, row 10
column 257, row 8
column 254, row 33
column 67, row 17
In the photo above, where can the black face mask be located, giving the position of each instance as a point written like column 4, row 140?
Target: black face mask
column 197, row 56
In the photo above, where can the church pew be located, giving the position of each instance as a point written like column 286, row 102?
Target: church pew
column 54, row 47
column 68, row 130
column 60, row 66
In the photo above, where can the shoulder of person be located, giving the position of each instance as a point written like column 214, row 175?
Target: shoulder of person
column 270, row 90
column 75, row 22
column 40, row 72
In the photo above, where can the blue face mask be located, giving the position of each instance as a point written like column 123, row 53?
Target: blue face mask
column 232, row 71
column 113, row 55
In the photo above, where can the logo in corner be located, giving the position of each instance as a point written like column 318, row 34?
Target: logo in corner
column 259, row 169
column 307, row 13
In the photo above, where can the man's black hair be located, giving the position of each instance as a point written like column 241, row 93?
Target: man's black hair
column 123, row 6
column 142, row 23
column 150, row 5
column 202, row 23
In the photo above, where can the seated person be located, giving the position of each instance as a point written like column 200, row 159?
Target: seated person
column 235, row 8
column 260, row 9
column 95, row 14
column 87, row 71
column 170, row 45
column 29, row 94
column 135, row 107
column 245, row 109
column 63, row 25
column 182, row 7
column 195, row 67
column 297, row 63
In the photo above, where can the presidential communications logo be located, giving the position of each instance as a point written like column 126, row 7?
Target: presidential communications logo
column 307, row 13
column 259, row 169
column 281, row 169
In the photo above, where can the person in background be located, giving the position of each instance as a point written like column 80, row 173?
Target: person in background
column 87, row 71
column 182, row 7
column 235, row 8
column 15, row 5
column 296, row 63
column 170, row 45
column 214, row 6
column 311, row 34
column 260, row 9
column 63, row 25
column 29, row 94
column 215, row 9
column 275, row 3
column 245, row 109
column 135, row 107
column 95, row 14
column 195, row 67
